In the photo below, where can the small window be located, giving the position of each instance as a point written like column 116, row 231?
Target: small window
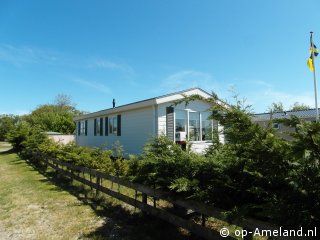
column 82, row 127
column 113, row 125
column 276, row 125
column 98, row 126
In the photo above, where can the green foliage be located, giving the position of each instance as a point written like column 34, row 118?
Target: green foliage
column 299, row 106
column 255, row 173
column 7, row 124
column 303, row 199
column 18, row 135
column 276, row 107
column 54, row 118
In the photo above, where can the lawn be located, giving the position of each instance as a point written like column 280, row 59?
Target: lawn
column 37, row 205
column 34, row 208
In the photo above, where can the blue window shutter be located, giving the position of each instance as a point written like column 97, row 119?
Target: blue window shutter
column 101, row 126
column 95, row 127
column 106, row 126
column 86, row 128
column 119, row 125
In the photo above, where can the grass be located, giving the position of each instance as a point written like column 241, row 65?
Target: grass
column 33, row 208
column 37, row 205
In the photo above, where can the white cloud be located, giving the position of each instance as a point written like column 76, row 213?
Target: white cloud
column 16, row 112
column 262, row 94
column 94, row 85
column 288, row 99
column 25, row 55
column 106, row 64
column 187, row 79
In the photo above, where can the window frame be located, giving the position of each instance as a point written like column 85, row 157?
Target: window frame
column 113, row 125
column 199, row 124
column 82, row 128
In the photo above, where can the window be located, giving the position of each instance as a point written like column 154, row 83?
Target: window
column 113, row 125
column 82, row 127
column 276, row 125
column 194, row 126
column 98, row 126
column 206, row 125
column 181, row 121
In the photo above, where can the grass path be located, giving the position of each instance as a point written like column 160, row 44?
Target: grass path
column 33, row 208
column 37, row 206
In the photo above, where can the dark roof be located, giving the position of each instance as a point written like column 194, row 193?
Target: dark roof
column 134, row 103
column 310, row 113
column 162, row 96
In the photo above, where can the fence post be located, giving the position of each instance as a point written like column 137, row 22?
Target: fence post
column 154, row 198
column 98, row 186
column 90, row 180
column 203, row 220
column 144, row 200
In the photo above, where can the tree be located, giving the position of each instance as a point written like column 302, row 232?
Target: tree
column 299, row 106
column 57, row 117
column 276, row 107
column 63, row 100
column 7, row 123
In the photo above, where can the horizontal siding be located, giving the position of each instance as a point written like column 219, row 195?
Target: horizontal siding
column 137, row 127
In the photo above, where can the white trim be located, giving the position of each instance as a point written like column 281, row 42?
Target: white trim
column 146, row 103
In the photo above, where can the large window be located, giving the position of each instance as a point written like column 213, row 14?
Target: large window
column 194, row 126
column 206, row 126
column 181, row 120
column 113, row 125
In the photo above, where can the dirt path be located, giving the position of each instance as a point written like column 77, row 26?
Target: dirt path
column 4, row 146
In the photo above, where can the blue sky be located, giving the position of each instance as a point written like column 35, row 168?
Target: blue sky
column 95, row 51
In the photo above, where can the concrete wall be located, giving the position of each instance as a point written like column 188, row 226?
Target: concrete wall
column 65, row 139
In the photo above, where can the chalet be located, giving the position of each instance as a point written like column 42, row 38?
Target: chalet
column 263, row 119
column 135, row 123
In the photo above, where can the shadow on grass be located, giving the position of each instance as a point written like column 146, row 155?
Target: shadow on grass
column 120, row 223
column 7, row 151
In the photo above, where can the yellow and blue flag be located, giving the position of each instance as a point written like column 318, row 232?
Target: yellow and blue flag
column 315, row 54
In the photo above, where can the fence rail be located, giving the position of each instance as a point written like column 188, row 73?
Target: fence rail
column 201, row 230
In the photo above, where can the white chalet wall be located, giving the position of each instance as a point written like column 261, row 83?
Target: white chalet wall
column 137, row 127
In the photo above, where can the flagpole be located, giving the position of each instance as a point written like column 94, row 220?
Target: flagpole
column 314, row 78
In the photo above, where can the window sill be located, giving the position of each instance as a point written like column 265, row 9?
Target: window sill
column 207, row 141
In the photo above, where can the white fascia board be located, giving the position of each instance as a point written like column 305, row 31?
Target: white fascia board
column 179, row 96
column 117, row 110
column 145, row 103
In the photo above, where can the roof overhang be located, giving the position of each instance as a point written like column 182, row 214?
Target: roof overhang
column 146, row 103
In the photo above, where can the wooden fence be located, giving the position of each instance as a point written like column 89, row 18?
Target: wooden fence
column 199, row 229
